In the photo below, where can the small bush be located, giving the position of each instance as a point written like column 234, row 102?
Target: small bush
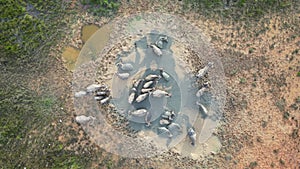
column 253, row 164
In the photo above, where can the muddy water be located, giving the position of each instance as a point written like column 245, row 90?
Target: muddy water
column 182, row 101
column 96, row 42
column 70, row 56
column 88, row 31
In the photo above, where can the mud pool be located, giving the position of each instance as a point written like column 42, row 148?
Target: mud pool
column 96, row 42
column 70, row 56
column 130, row 133
column 88, row 31
column 180, row 86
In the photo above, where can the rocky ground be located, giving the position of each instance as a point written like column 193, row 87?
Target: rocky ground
column 261, row 122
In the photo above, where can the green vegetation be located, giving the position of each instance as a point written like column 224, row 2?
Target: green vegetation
column 69, row 162
column 21, row 112
column 251, row 50
column 27, row 138
column 275, row 151
column 294, row 106
column 242, row 80
column 27, row 28
column 238, row 9
column 297, row 100
column 281, row 161
column 295, row 133
column 281, row 104
column 253, row 164
column 286, row 115
column 102, row 7
column 208, row 4
column 233, row 72
column 264, row 124
column 296, row 51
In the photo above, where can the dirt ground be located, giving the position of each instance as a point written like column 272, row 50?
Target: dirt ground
column 261, row 60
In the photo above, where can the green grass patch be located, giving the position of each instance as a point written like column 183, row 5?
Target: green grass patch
column 69, row 162
column 27, row 136
column 102, row 7
column 28, row 27
column 20, row 111
column 239, row 9
column 46, row 104
column 243, row 80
